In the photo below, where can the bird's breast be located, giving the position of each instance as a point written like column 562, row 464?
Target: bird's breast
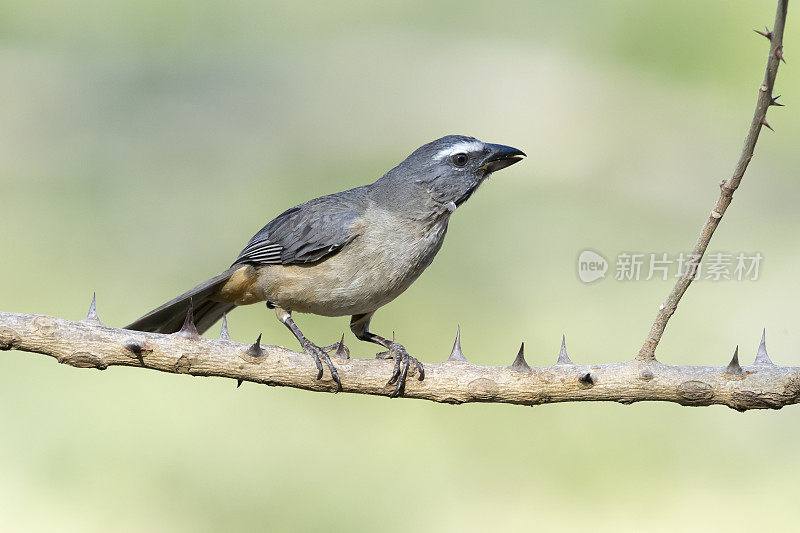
column 388, row 254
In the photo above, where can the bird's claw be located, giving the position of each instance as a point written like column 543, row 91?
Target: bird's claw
column 320, row 355
column 402, row 362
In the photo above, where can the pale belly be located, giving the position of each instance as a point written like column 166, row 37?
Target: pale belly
column 362, row 277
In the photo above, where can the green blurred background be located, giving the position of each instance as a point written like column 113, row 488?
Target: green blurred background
column 143, row 143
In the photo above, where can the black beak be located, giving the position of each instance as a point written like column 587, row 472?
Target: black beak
column 501, row 157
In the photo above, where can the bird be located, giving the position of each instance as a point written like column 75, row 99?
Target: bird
column 348, row 253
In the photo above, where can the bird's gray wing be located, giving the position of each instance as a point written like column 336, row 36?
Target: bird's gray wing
column 307, row 233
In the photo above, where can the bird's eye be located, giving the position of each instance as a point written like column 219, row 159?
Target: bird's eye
column 459, row 160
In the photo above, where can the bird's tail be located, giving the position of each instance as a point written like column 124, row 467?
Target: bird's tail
column 170, row 317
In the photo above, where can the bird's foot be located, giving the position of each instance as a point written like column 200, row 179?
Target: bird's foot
column 402, row 361
column 320, row 355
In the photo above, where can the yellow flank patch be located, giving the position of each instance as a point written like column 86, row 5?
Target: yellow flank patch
column 241, row 287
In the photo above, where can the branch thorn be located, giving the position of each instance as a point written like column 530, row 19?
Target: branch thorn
column 766, row 33
column 239, row 383
column 766, row 124
column 224, row 334
column 456, row 354
column 774, row 101
column 733, row 367
column 779, row 53
column 761, row 357
column 255, row 349
column 519, row 364
column 563, row 358
column 189, row 330
column 91, row 316
column 341, row 350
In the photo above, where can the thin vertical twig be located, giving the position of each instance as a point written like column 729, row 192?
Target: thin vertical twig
column 727, row 187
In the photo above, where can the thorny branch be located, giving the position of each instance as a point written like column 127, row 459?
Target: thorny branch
column 90, row 344
column 727, row 187
column 762, row 385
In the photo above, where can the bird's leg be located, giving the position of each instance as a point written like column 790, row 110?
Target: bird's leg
column 309, row 347
column 359, row 324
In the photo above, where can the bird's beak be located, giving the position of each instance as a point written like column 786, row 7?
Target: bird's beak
column 501, row 157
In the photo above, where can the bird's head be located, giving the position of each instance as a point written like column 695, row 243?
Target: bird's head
column 453, row 167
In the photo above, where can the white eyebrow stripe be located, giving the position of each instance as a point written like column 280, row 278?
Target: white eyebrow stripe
column 463, row 146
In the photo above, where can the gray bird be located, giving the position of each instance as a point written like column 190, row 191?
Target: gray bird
column 348, row 253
